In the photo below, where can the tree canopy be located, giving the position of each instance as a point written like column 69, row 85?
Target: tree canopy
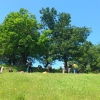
column 54, row 38
column 19, row 33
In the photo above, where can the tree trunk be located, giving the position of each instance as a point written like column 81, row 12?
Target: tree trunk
column 46, row 63
column 9, row 60
column 65, row 61
column 24, row 60
column 13, row 59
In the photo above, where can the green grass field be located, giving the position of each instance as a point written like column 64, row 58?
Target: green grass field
column 49, row 86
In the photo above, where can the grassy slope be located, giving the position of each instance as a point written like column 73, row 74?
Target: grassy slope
column 54, row 86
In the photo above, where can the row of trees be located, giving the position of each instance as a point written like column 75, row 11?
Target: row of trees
column 54, row 38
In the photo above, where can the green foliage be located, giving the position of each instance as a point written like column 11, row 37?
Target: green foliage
column 52, row 39
column 44, row 43
column 19, row 33
column 48, row 17
column 66, row 39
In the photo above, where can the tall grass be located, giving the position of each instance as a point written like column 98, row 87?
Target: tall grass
column 52, row 86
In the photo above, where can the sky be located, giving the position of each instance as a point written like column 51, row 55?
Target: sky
column 83, row 13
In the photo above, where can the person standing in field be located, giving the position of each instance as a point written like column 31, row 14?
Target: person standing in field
column 29, row 65
column 1, row 69
column 63, row 68
column 49, row 68
column 69, row 68
column 75, row 67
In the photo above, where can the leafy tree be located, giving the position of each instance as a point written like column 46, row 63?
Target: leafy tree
column 85, row 56
column 90, row 56
column 95, row 57
column 66, row 39
column 19, row 34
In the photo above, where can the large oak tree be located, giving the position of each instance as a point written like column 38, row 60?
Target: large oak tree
column 66, row 39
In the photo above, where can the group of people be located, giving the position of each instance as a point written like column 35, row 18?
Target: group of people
column 70, row 68
column 29, row 66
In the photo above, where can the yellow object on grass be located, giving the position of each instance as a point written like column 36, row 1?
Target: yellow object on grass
column 45, row 72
